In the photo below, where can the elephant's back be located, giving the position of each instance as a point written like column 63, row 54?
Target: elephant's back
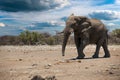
column 98, row 30
column 96, row 22
column 97, row 25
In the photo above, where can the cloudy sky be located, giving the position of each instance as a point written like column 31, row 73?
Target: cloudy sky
column 50, row 15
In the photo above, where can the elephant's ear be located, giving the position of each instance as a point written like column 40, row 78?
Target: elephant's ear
column 86, row 27
column 80, row 19
column 77, row 19
column 88, row 21
column 83, row 18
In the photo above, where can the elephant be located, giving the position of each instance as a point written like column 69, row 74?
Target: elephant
column 86, row 31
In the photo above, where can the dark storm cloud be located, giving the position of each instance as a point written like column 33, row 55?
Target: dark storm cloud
column 29, row 5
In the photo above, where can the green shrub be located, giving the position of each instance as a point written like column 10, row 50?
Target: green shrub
column 28, row 37
column 50, row 41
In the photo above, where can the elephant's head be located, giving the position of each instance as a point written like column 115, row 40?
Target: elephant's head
column 72, row 23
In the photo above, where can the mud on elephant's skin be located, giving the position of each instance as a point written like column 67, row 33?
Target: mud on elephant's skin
column 86, row 31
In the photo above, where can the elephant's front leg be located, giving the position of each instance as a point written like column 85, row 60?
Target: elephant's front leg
column 81, row 54
column 77, row 43
column 83, row 42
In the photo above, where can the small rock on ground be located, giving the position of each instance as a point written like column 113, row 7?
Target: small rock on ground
column 37, row 77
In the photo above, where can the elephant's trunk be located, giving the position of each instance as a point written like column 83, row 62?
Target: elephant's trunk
column 66, row 36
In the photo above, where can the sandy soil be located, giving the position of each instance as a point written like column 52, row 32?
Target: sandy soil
column 23, row 62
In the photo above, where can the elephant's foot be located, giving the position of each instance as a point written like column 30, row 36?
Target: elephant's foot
column 80, row 57
column 107, row 55
column 95, row 56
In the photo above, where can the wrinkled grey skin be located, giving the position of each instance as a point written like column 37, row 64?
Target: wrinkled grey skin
column 86, row 31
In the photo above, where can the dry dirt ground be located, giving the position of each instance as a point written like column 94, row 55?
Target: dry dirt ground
column 23, row 62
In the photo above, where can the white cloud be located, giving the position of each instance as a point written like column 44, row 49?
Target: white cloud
column 105, row 14
column 111, row 24
column 62, row 2
column 53, row 22
column 117, row 2
column 81, row 8
column 2, row 24
column 54, row 3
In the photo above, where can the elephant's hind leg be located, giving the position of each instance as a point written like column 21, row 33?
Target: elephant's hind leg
column 97, row 51
column 105, row 47
column 98, row 45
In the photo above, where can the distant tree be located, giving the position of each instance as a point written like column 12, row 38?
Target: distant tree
column 116, row 33
column 50, row 41
column 32, row 38
column 114, row 37
column 46, row 34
